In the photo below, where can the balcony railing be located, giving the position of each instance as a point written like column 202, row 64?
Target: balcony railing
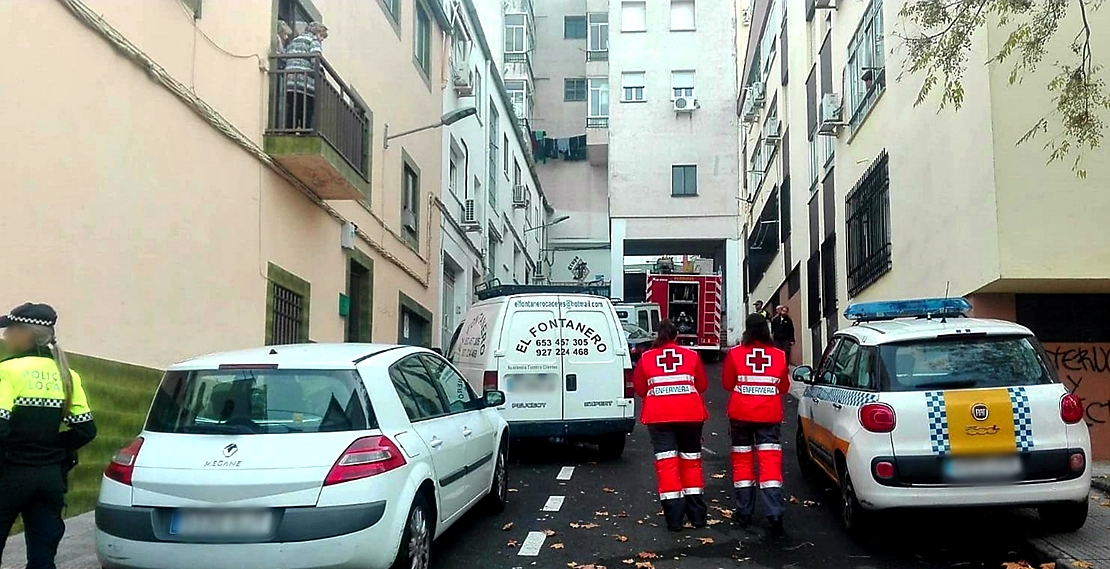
column 597, row 55
column 597, row 122
column 516, row 57
column 307, row 98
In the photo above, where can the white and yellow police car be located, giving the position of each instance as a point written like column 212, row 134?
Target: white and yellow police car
column 917, row 405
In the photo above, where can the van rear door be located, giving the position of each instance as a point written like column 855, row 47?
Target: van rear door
column 593, row 372
column 529, row 368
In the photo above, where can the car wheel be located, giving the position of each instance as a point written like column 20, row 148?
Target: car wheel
column 1064, row 518
column 611, row 446
column 499, row 492
column 416, row 541
column 810, row 472
column 856, row 520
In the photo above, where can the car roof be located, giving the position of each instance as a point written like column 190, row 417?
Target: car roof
column 294, row 356
column 907, row 329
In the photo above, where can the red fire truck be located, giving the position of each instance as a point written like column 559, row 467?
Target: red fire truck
column 693, row 303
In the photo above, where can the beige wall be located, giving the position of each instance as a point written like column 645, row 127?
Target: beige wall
column 149, row 230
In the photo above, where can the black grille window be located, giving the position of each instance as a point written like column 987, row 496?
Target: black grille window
column 288, row 315
column 828, row 277
column 868, row 218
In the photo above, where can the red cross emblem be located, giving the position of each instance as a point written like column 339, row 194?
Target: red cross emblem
column 669, row 360
column 758, row 360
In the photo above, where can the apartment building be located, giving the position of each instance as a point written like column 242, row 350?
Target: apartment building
column 866, row 197
column 182, row 185
column 494, row 209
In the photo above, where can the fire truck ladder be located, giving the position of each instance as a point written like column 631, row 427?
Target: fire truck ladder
column 711, row 315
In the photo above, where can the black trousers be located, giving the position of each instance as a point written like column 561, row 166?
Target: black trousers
column 38, row 493
column 677, row 449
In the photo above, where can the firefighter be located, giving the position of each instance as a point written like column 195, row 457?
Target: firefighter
column 757, row 375
column 671, row 379
column 38, row 394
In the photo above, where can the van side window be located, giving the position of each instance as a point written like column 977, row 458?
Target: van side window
column 642, row 319
column 459, row 396
column 419, row 394
column 654, row 321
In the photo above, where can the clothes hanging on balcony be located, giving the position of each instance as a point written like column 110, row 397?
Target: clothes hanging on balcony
column 538, row 149
column 564, row 147
column 576, row 149
column 550, row 149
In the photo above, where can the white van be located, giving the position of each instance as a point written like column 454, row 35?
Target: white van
column 561, row 359
column 643, row 314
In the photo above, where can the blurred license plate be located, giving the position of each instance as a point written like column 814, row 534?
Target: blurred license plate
column 530, row 383
column 222, row 523
column 983, row 468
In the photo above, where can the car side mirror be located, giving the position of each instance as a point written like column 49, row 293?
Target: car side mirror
column 494, row 398
column 803, row 374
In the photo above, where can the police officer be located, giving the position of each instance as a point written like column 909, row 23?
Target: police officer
column 757, row 375
column 38, row 393
column 671, row 379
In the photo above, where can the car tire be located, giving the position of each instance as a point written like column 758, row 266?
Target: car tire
column 809, row 469
column 498, row 495
column 416, row 541
column 611, row 447
column 857, row 521
column 1064, row 518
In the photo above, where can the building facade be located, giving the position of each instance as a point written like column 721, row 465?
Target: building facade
column 867, row 197
column 216, row 187
column 493, row 208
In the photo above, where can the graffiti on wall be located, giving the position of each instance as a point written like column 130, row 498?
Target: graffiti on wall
column 1084, row 368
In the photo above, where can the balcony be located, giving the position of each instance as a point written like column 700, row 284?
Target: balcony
column 318, row 127
column 600, row 55
column 518, row 65
column 597, row 140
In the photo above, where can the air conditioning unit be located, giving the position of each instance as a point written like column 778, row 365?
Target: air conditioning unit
column 408, row 219
column 470, row 221
column 831, row 114
column 751, row 117
column 685, row 104
column 772, row 131
column 758, row 94
column 462, row 78
column 520, row 197
column 825, row 4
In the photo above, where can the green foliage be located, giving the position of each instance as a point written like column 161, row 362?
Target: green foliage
column 940, row 51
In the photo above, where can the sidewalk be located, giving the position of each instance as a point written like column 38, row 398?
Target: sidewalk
column 78, row 549
column 1088, row 548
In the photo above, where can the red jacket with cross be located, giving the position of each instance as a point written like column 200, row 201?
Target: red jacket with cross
column 758, row 377
column 671, row 379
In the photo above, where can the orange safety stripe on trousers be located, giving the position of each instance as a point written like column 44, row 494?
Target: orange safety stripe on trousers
column 743, row 474
column 770, row 464
column 689, row 466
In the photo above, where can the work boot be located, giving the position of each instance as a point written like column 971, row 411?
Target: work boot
column 774, row 524
column 674, row 512
column 697, row 511
column 744, row 520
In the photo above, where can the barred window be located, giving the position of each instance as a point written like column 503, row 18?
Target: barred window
column 868, row 215
column 288, row 316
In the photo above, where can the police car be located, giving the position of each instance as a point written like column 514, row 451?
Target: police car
column 917, row 405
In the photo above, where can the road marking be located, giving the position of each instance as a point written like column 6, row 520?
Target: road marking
column 553, row 504
column 565, row 473
column 532, row 544
column 707, row 451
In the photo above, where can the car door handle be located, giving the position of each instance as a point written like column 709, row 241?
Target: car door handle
column 837, row 406
column 467, row 432
column 435, row 442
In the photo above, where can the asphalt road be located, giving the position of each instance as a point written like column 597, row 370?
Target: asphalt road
column 620, row 498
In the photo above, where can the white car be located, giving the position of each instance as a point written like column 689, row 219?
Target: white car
column 917, row 405
column 302, row 456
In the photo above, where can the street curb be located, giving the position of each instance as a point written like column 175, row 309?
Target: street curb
column 1101, row 483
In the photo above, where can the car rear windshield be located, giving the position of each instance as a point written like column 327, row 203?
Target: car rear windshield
column 963, row 363
column 260, row 401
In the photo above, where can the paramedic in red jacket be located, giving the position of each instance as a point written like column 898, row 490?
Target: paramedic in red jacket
column 757, row 374
column 671, row 379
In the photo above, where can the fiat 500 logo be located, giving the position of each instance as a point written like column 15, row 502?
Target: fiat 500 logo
column 980, row 412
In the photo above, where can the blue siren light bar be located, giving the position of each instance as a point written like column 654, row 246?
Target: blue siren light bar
column 915, row 308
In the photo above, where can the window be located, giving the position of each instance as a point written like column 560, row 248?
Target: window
column 865, row 72
column 599, row 97
column 815, row 165
column 419, row 394
column 768, row 43
column 574, row 27
column 459, row 395
column 494, row 138
column 574, row 90
column 682, row 15
column 516, row 27
column 633, row 16
column 393, row 8
column 868, row 213
column 478, row 93
column 453, row 177
column 843, row 366
column 410, row 206
column 962, row 363
column 506, row 155
column 287, row 310
column 682, row 84
column 632, row 87
column 516, row 173
column 422, row 41
column 294, row 15
column 756, row 168
column 259, row 402
column 491, row 257
column 518, row 95
column 684, row 180
column 599, row 31
column 828, row 149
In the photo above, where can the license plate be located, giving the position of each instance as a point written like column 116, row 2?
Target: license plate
column 983, row 468
column 222, row 523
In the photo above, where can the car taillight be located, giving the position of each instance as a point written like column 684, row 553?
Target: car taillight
column 884, row 470
column 366, row 457
column 877, row 417
column 122, row 467
column 1071, row 409
column 629, row 388
column 1077, row 462
column 489, row 381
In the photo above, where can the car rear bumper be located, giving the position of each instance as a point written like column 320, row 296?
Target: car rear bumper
column 569, row 429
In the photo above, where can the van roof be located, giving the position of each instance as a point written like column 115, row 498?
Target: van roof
column 501, row 299
column 303, row 356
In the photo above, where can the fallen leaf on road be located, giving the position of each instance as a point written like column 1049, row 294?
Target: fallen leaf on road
column 576, row 525
column 507, row 526
column 640, row 522
column 601, row 514
column 629, row 561
column 811, row 504
column 705, row 540
column 647, row 555
column 1016, row 565
column 621, row 538
column 688, row 525
column 718, row 475
column 1081, row 564
column 800, row 545
column 608, row 490
column 726, row 514
column 1049, row 565
column 644, row 565
column 714, row 501
column 512, row 543
column 622, row 514
column 513, row 490
column 549, row 532
column 714, row 434
column 557, row 546
column 793, row 500
column 712, row 522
